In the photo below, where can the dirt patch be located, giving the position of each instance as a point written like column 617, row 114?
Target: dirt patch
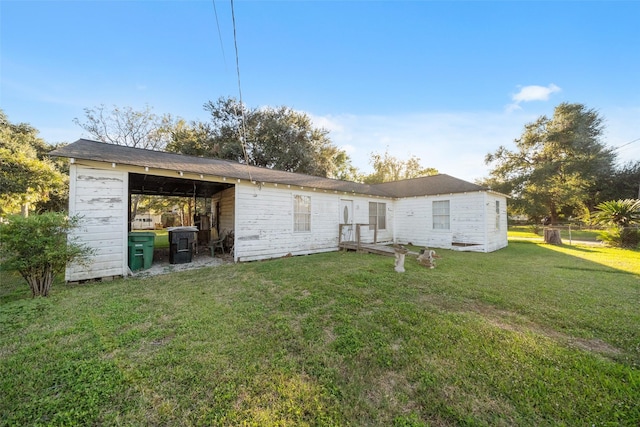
column 388, row 389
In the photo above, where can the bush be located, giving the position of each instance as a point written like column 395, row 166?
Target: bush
column 626, row 237
column 620, row 216
column 37, row 247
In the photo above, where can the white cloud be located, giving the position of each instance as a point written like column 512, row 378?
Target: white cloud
column 326, row 122
column 531, row 93
column 535, row 93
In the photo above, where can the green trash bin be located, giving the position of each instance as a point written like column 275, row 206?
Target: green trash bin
column 140, row 250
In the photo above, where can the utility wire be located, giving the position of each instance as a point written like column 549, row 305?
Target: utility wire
column 243, row 119
column 215, row 11
column 624, row 145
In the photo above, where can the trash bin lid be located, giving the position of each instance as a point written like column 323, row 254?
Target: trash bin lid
column 182, row 229
column 141, row 234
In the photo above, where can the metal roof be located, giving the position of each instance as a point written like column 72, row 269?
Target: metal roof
column 110, row 153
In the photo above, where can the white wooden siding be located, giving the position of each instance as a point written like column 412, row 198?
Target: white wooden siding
column 261, row 217
column 471, row 216
column 264, row 221
column 100, row 197
column 227, row 203
column 468, row 216
column 496, row 236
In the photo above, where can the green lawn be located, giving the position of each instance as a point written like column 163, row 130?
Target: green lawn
column 529, row 335
column 527, row 232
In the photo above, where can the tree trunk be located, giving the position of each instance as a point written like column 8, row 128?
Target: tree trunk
column 24, row 209
column 135, row 201
column 552, row 236
column 39, row 281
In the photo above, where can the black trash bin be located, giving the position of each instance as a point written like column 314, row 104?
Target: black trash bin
column 182, row 242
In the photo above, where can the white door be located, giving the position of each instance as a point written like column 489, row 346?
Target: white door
column 346, row 217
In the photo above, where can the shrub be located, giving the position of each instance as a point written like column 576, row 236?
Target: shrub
column 627, row 237
column 620, row 216
column 37, row 247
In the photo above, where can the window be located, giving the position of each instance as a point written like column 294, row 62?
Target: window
column 377, row 215
column 301, row 213
column 497, row 214
column 441, row 215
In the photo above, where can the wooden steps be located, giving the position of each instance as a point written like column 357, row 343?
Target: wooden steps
column 372, row 248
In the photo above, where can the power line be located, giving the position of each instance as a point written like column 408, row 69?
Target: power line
column 215, row 11
column 625, row 144
column 242, row 117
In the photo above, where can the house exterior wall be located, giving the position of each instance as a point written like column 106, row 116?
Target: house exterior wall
column 226, row 200
column 261, row 215
column 264, row 225
column 471, row 222
column 100, row 197
column 496, row 224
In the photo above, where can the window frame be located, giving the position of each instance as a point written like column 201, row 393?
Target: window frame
column 301, row 217
column 442, row 215
column 379, row 217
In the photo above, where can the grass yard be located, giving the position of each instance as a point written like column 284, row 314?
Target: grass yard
column 529, row 335
column 526, row 232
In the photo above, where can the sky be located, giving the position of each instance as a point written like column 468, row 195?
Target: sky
column 445, row 81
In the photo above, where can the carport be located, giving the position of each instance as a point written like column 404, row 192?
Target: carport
column 104, row 182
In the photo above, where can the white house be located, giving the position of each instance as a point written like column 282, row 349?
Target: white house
column 271, row 213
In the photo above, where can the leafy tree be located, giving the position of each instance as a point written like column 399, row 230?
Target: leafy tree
column 345, row 171
column 388, row 168
column 126, row 126
column 221, row 138
column 624, row 183
column 194, row 139
column 619, row 216
column 271, row 137
column 129, row 127
column 37, row 247
column 558, row 165
column 27, row 177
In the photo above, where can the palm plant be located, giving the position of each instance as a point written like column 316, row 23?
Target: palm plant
column 620, row 216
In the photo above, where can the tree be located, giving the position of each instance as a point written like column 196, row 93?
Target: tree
column 27, row 177
column 37, row 247
column 126, row 126
column 619, row 216
column 388, row 168
column 194, row 139
column 624, row 183
column 271, row 137
column 558, row 165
